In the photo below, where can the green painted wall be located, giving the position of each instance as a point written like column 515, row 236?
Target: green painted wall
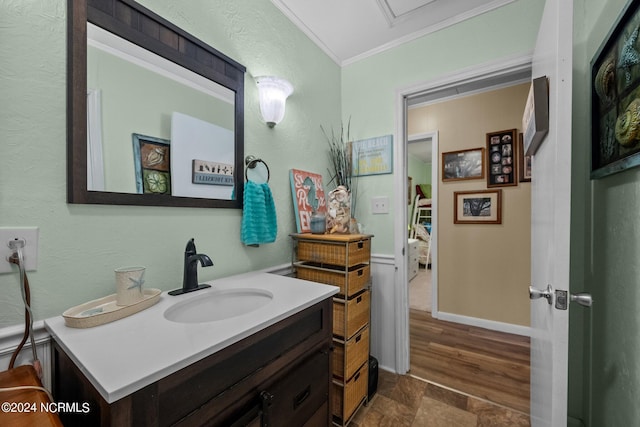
column 81, row 245
column 369, row 86
column 419, row 171
column 604, row 244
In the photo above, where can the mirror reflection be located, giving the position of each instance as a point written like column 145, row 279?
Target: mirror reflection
column 156, row 120
column 154, row 127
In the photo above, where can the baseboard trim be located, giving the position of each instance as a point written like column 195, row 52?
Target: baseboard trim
column 508, row 328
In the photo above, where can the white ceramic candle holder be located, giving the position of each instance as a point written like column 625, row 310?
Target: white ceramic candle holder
column 129, row 281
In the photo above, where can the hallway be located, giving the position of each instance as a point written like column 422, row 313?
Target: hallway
column 479, row 362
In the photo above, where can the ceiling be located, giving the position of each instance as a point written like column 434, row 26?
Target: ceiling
column 349, row 30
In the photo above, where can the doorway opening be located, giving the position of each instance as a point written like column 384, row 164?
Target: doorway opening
column 422, row 222
column 478, row 79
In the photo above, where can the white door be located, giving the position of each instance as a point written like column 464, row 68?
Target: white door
column 550, row 219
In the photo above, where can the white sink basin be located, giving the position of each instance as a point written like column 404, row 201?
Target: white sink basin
column 218, row 305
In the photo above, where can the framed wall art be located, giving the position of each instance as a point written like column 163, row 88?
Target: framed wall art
column 502, row 158
column 152, row 164
column 524, row 162
column 535, row 120
column 477, row 207
column 615, row 97
column 463, row 164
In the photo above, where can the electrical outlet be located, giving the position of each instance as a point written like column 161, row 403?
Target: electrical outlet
column 29, row 251
column 380, row 205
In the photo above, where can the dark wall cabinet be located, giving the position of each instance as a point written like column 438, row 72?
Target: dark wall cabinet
column 280, row 376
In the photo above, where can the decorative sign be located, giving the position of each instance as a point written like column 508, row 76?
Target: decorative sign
column 372, row 156
column 308, row 195
column 211, row 173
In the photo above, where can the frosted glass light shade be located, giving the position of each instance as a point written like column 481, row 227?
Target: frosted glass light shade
column 273, row 93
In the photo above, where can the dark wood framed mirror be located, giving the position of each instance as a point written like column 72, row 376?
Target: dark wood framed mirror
column 141, row 28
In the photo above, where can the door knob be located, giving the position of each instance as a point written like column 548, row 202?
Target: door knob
column 582, row 298
column 537, row 293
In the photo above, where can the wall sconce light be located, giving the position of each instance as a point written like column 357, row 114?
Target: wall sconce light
column 273, row 92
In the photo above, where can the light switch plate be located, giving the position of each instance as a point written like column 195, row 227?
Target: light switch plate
column 29, row 252
column 380, row 205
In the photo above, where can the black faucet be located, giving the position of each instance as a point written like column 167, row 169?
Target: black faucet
column 190, row 280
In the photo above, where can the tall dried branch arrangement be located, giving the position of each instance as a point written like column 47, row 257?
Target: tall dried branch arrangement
column 340, row 170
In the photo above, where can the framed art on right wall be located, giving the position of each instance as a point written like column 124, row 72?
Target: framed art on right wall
column 615, row 97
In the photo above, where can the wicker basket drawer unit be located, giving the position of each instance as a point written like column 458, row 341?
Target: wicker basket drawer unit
column 349, row 356
column 353, row 312
column 350, row 280
column 348, row 396
column 342, row 261
column 345, row 250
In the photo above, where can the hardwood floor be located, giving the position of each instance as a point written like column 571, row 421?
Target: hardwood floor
column 490, row 365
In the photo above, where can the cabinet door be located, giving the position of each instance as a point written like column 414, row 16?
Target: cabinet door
column 297, row 397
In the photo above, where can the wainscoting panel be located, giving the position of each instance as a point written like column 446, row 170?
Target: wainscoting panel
column 383, row 332
column 10, row 338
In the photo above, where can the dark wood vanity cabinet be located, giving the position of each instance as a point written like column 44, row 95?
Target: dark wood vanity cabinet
column 280, row 376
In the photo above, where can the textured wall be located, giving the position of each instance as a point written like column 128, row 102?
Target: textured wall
column 80, row 245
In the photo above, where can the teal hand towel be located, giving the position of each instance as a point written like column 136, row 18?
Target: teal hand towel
column 259, row 224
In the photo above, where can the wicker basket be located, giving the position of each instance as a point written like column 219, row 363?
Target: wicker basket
column 346, row 254
column 357, row 313
column 347, row 397
column 350, row 282
column 357, row 353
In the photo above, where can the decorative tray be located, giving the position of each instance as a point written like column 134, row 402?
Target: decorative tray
column 105, row 310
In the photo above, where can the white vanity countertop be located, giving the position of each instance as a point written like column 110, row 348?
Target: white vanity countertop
column 124, row 356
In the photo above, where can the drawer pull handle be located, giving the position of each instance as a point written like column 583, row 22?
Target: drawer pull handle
column 360, row 245
column 360, row 272
column 358, row 338
column 297, row 401
column 359, row 300
column 356, row 377
column 266, row 400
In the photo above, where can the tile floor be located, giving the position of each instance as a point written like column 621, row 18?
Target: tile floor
column 403, row 400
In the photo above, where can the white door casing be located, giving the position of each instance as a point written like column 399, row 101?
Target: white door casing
column 550, row 219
